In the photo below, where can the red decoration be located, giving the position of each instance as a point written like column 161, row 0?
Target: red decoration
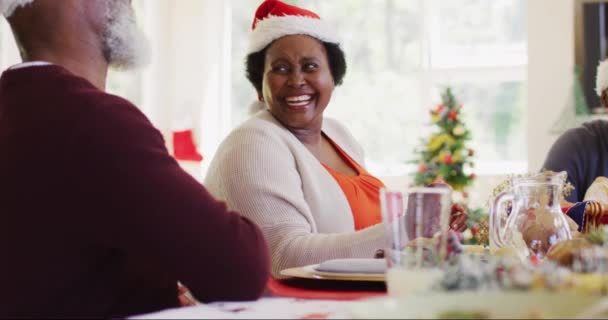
column 453, row 115
column 475, row 229
column 465, row 194
column 184, row 147
column 472, row 176
column 471, row 152
column 422, row 168
column 447, row 159
column 535, row 260
column 439, row 108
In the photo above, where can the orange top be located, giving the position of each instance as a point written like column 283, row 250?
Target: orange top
column 361, row 191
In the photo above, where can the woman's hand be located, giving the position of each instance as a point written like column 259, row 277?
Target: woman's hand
column 458, row 218
column 458, row 214
column 184, row 296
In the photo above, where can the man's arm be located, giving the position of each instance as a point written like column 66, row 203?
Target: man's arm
column 156, row 211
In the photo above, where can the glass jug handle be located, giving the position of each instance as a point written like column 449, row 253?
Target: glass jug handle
column 496, row 214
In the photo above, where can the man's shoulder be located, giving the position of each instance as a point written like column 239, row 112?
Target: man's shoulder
column 100, row 103
column 59, row 87
column 596, row 128
column 585, row 133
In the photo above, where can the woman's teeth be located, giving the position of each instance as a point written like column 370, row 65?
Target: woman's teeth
column 298, row 100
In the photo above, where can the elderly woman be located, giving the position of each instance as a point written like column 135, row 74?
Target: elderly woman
column 299, row 175
column 583, row 151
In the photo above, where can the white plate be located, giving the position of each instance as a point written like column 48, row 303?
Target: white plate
column 495, row 304
column 310, row 272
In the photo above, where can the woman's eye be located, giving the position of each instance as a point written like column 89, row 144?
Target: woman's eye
column 310, row 66
column 280, row 69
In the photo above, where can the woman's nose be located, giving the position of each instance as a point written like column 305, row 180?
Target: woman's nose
column 296, row 79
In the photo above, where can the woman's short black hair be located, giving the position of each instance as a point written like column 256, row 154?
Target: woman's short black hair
column 255, row 65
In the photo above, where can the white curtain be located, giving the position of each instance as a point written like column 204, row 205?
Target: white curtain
column 188, row 84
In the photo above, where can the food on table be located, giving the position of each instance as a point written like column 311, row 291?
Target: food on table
column 598, row 237
column 564, row 252
column 589, row 283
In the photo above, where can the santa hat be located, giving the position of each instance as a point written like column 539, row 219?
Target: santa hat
column 7, row 7
column 275, row 19
column 601, row 80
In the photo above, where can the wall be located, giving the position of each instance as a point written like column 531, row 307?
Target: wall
column 550, row 69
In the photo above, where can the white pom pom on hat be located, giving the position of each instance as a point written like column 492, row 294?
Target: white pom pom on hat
column 275, row 19
column 7, row 7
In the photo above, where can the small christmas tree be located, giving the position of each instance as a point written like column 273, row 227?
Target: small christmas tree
column 445, row 155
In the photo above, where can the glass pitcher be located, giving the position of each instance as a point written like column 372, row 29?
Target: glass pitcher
column 534, row 221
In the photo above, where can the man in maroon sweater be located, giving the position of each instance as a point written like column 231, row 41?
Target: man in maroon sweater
column 96, row 218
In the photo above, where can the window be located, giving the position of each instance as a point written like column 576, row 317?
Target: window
column 400, row 54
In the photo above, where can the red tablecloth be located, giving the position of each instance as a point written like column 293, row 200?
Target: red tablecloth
column 325, row 289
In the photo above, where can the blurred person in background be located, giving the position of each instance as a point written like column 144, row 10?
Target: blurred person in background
column 583, row 151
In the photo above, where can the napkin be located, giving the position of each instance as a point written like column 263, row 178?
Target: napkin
column 353, row 266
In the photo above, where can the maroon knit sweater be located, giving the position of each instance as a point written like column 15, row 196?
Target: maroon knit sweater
column 97, row 219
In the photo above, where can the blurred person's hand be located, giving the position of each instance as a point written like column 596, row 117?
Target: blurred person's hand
column 458, row 213
column 184, row 296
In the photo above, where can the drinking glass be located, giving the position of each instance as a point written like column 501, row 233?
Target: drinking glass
column 417, row 224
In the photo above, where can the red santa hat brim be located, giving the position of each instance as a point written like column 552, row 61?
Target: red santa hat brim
column 7, row 7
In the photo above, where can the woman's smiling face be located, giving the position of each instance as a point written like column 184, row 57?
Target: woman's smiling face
column 297, row 83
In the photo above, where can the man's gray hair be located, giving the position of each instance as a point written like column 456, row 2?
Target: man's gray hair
column 7, row 7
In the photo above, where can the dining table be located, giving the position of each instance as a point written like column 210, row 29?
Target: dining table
column 286, row 298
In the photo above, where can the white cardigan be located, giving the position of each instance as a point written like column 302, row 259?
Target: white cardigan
column 264, row 172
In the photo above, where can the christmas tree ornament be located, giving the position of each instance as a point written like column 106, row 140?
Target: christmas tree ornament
column 459, row 131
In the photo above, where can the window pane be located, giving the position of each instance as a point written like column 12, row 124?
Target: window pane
column 479, row 32
column 496, row 115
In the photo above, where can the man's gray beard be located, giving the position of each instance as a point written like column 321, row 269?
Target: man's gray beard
column 125, row 46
